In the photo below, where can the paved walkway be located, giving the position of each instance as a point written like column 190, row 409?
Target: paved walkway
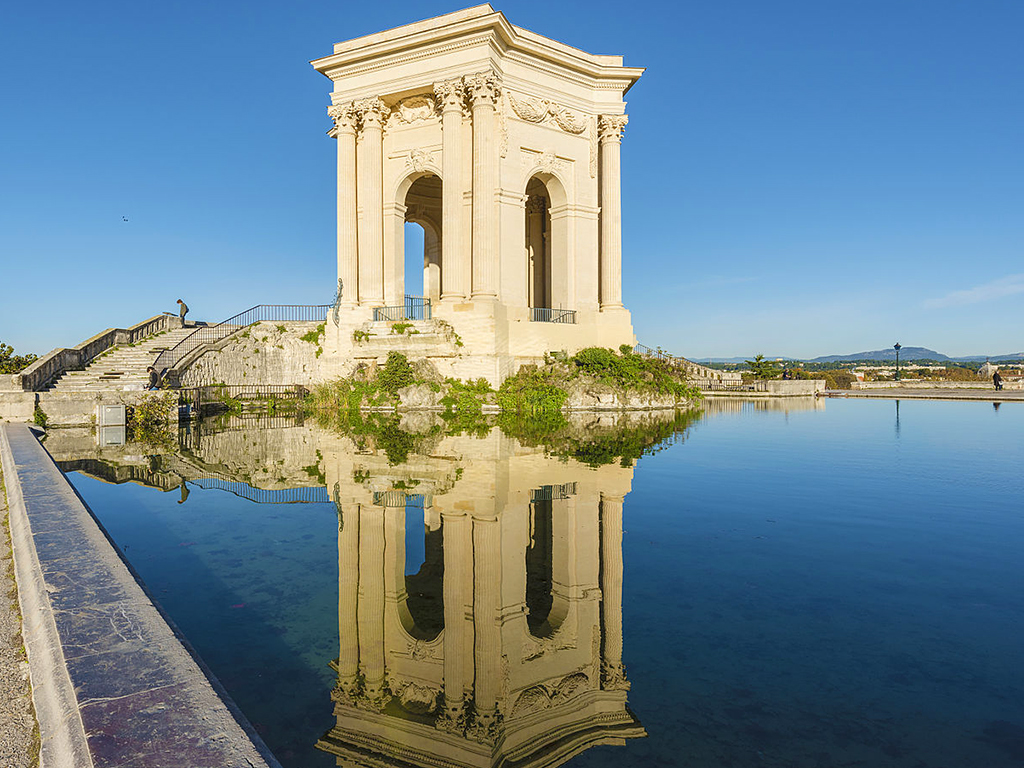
column 19, row 740
column 983, row 395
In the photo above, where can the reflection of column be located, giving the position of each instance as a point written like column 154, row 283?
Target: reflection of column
column 371, row 601
column 451, row 95
column 370, row 162
column 609, row 128
column 484, row 90
column 612, row 675
column 348, row 600
column 458, row 608
column 486, row 614
column 535, row 250
column 348, row 259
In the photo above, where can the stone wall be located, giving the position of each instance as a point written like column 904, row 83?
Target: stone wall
column 17, row 406
column 913, row 384
column 264, row 353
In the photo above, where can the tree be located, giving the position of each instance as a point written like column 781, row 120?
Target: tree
column 12, row 363
column 761, row 368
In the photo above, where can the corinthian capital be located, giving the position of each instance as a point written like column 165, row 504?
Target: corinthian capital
column 451, row 94
column 610, row 127
column 344, row 117
column 372, row 112
column 484, row 88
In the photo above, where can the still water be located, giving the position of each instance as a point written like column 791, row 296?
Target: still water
column 809, row 583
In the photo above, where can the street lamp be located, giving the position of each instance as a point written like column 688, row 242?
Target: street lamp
column 896, row 346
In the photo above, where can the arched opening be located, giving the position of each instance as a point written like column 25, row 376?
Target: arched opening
column 539, row 571
column 422, row 233
column 538, row 244
column 424, row 572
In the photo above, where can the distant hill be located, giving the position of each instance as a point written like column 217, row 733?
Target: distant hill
column 906, row 353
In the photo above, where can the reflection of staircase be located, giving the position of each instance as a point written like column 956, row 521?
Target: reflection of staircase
column 119, row 367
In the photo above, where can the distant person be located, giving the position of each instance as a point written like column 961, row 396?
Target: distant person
column 997, row 380
column 154, row 377
column 786, row 374
column 182, row 311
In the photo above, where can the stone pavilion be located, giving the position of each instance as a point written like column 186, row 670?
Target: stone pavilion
column 504, row 146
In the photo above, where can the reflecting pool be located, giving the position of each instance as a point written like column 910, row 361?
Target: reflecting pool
column 768, row 583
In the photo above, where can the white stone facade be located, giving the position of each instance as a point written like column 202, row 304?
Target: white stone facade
column 504, row 145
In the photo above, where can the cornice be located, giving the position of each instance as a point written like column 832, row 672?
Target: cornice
column 429, row 38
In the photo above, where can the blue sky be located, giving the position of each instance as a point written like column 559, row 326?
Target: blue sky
column 799, row 178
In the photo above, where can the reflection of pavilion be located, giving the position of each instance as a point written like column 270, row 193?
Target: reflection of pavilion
column 505, row 647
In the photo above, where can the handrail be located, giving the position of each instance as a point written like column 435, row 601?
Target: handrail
column 547, row 315
column 694, row 370
column 210, row 334
column 414, row 308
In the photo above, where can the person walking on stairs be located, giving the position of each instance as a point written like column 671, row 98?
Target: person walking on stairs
column 182, row 311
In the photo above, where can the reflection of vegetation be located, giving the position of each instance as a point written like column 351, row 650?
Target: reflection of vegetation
column 314, row 471
column 380, row 431
column 598, row 446
column 149, row 422
column 464, row 407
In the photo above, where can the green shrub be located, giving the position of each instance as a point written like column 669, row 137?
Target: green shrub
column 396, row 373
column 531, row 391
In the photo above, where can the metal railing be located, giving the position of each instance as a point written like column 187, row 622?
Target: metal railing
column 414, row 308
column 308, row 495
column 210, row 334
column 714, row 385
column 400, row 499
column 553, row 492
column 545, row 315
column 697, row 373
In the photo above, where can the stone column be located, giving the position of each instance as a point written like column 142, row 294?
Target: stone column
column 484, row 90
column 458, row 610
column 344, row 131
column 612, row 675
column 371, row 602
column 348, row 598
column 451, row 95
column 487, row 622
column 370, row 167
column 609, row 131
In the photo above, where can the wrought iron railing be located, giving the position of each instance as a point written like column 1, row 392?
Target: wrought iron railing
column 701, row 376
column 544, row 315
column 414, row 308
column 553, row 492
column 210, row 334
column 301, row 495
column 400, row 499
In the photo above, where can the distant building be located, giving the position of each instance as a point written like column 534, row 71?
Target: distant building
column 987, row 369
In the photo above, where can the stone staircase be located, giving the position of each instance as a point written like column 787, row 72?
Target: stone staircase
column 119, row 368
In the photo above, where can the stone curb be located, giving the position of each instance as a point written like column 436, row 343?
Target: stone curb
column 62, row 734
column 113, row 681
column 919, row 394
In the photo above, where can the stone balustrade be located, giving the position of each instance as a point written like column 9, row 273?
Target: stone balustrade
column 48, row 367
